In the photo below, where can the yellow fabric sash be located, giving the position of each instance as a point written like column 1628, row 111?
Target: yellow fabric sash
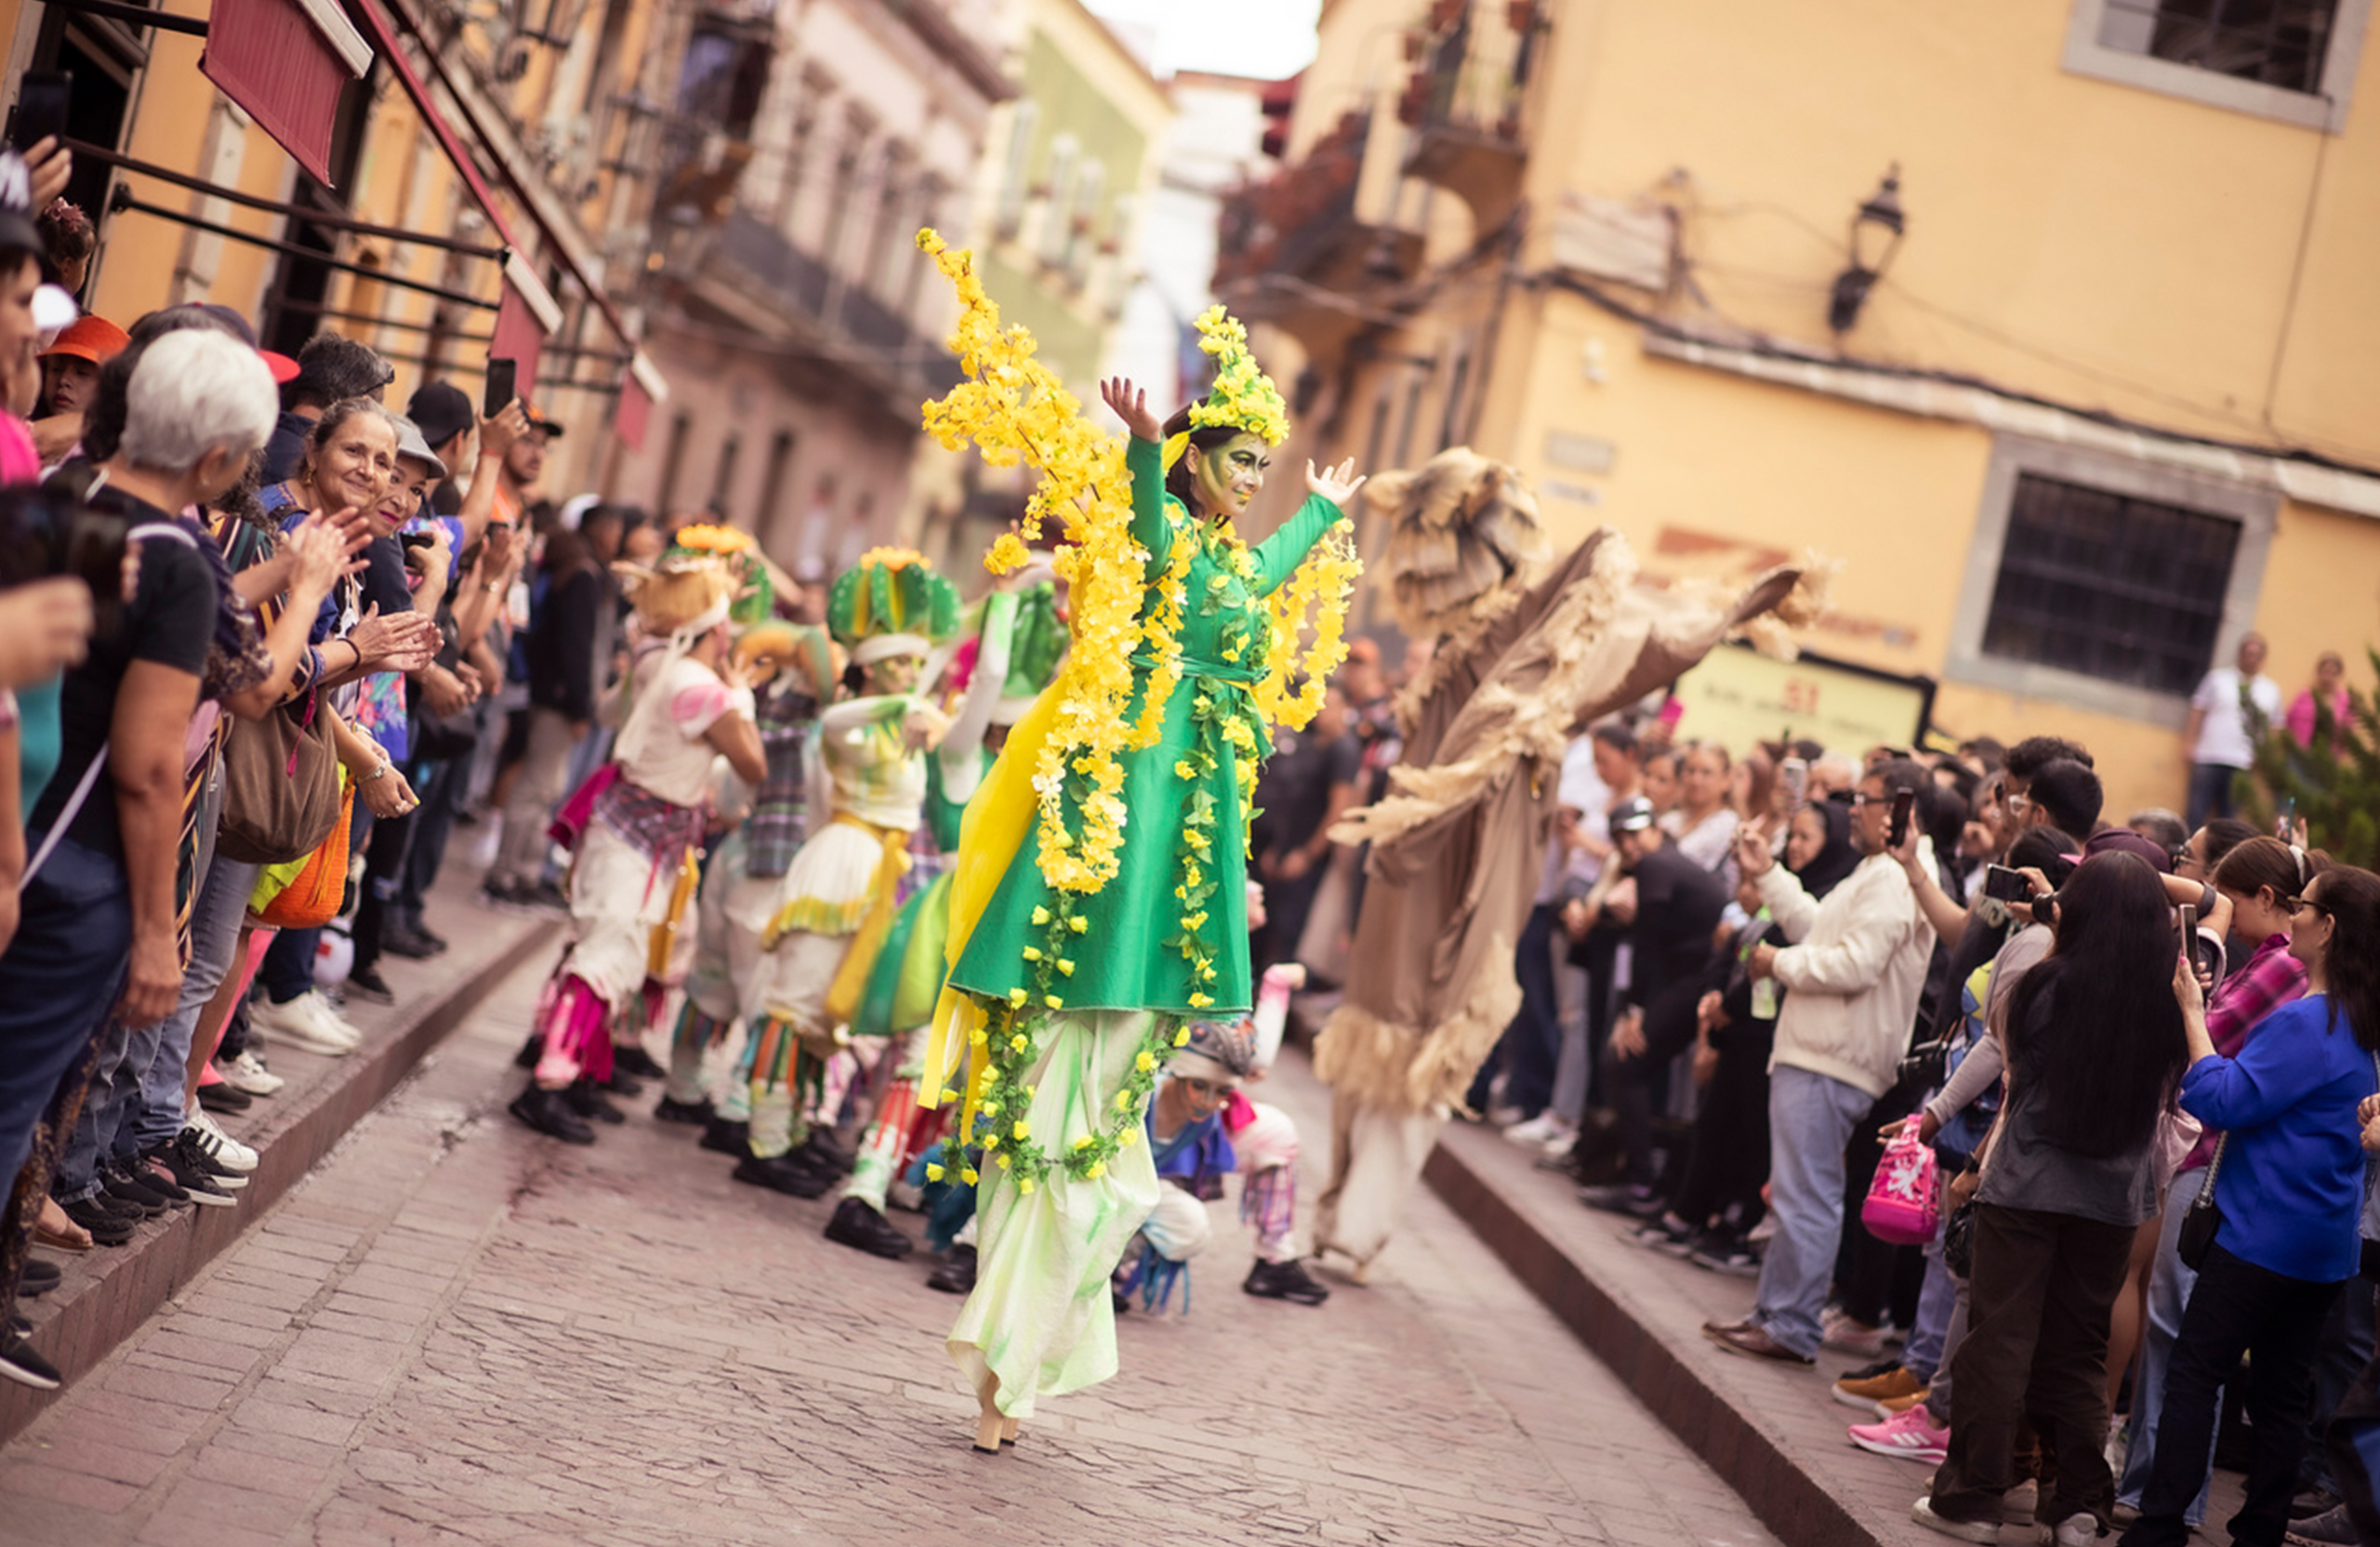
column 884, row 889
column 664, row 942
column 992, row 835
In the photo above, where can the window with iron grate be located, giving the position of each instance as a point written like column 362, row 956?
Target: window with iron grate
column 2124, row 589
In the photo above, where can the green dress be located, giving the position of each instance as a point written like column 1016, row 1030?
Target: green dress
column 1129, row 962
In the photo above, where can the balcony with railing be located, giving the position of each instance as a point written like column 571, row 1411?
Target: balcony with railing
column 1466, row 99
column 1294, row 250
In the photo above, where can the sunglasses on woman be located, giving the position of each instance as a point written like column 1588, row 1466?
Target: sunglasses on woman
column 2291, row 904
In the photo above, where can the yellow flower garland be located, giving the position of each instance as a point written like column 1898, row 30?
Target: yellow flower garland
column 1319, row 588
column 1015, row 409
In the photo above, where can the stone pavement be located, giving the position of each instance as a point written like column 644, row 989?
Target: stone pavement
column 1773, row 1431
column 457, row 1331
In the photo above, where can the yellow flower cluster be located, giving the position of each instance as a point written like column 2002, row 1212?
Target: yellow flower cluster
column 1243, row 396
column 894, row 559
column 1318, row 590
column 710, row 539
column 1015, row 409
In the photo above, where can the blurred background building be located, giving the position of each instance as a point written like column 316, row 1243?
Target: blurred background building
column 2054, row 321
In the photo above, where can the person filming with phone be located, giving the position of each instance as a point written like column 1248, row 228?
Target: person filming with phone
column 1854, row 975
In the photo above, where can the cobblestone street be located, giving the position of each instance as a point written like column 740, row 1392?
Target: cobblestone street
column 456, row 1331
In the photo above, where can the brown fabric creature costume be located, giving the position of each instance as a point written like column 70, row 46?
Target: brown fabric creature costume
column 1457, row 846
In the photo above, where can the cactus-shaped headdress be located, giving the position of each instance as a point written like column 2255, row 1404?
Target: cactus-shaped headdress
column 891, row 604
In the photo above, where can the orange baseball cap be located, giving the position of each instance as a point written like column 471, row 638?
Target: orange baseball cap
column 92, row 339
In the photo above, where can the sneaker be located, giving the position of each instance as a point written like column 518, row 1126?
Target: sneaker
column 1540, row 1131
column 190, row 1174
column 248, row 1073
column 1285, row 1282
column 504, row 896
column 2081, row 1528
column 1911, row 1436
column 306, row 1022
column 413, row 945
column 24, row 1366
column 694, row 1114
column 221, row 1172
column 366, row 983
column 548, row 1112
column 1845, row 1335
column 1662, row 1235
column 220, row 1146
column 1863, row 1390
column 137, row 1189
column 223, row 1097
column 1727, row 1255
column 956, row 1275
column 1965, row 1530
column 856, row 1224
column 103, row 1224
column 1892, row 1406
column 780, row 1174
column 1621, row 1197
column 2329, row 1529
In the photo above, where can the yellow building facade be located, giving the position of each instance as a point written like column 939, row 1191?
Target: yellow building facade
column 2107, row 407
column 398, row 247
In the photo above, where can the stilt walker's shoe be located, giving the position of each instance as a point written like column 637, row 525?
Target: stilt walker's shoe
column 992, row 1426
column 548, row 1112
column 856, row 1224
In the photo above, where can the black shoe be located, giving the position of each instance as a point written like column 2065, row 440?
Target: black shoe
column 588, row 1102
column 430, row 937
column 366, row 983
column 24, row 1366
column 856, row 1224
column 1621, row 1197
column 636, row 1061
column 190, row 1174
column 40, row 1277
column 158, row 1178
column 531, row 1050
column 139, row 1192
column 105, row 1226
column 623, row 1083
column 728, row 1136
column 956, row 1275
column 2311, row 1503
column 780, row 1174
column 822, row 1153
column 1726, row 1254
column 224, row 1098
column 1285, row 1282
column 698, row 1112
column 413, row 944
column 548, row 1112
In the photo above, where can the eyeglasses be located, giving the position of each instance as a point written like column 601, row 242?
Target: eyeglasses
column 1859, row 803
column 2182, row 857
column 2016, row 805
column 2291, row 904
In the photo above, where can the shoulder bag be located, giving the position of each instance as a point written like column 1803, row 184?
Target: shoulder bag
column 281, row 795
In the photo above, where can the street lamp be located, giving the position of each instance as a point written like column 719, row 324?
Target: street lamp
column 1876, row 230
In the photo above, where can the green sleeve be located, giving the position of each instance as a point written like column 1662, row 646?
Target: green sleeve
column 1151, row 528
column 1281, row 553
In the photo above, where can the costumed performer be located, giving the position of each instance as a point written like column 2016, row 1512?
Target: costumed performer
column 1076, row 961
column 636, row 828
column 792, row 670
column 837, row 903
column 1202, row 1127
column 1017, row 649
column 1526, row 656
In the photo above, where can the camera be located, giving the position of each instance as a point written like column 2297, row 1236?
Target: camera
column 2004, row 885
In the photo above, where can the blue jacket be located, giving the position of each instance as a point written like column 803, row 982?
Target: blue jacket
column 2292, row 1185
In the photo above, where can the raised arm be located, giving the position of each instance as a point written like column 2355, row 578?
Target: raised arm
column 1328, row 495
column 961, row 747
column 1145, row 459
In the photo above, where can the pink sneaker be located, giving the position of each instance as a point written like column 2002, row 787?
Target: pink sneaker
column 1912, row 1436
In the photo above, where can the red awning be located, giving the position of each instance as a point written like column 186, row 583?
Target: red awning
column 284, row 61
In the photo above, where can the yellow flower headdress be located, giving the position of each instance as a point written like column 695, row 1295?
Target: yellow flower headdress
column 1243, row 396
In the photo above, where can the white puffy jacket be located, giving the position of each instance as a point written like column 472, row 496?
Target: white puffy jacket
column 1853, row 974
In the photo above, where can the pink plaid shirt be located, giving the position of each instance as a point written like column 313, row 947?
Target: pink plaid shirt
column 2270, row 979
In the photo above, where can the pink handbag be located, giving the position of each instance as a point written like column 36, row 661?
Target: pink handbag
column 1904, row 1204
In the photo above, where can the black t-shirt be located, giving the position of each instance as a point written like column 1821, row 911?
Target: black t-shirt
column 170, row 622
column 1294, row 789
column 1678, row 904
